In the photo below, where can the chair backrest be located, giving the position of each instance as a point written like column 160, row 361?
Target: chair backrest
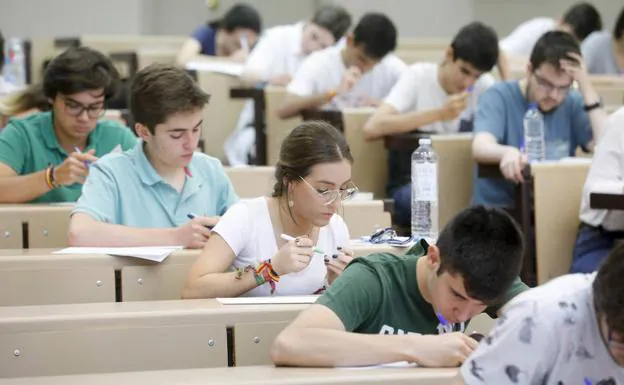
column 558, row 189
column 251, row 182
column 276, row 128
column 46, row 225
column 365, row 217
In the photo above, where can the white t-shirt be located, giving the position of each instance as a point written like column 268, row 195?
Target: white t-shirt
column 419, row 90
column 278, row 52
column 521, row 41
column 247, row 229
column 547, row 336
column 323, row 70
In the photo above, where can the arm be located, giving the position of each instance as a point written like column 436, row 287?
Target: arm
column 21, row 188
column 294, row 104
column 388, row 121
column 486, row 149
column 190, row 49
column 502, row 63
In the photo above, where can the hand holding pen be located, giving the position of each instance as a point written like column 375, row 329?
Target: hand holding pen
column 75, row 168
column 336, row 263
column 294, row 256
column 195, row 233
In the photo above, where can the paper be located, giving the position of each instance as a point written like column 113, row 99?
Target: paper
column 151, row 253
column 277, row 300
column 398, row 364
column 226, row 68
column 399, row 242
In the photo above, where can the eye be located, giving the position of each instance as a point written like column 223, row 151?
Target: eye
column 177, row 136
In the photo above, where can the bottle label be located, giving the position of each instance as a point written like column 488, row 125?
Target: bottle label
column 426, row 186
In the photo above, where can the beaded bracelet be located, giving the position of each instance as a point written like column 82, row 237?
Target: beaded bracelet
column 263, row 273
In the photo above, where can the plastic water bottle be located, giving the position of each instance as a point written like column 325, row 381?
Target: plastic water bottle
column 534, row 145
column 15, row 63
column 425, row 192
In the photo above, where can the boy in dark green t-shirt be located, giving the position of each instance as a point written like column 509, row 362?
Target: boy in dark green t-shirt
column 385, row 308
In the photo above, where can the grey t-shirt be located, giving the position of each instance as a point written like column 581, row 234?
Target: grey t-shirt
column 547, row 336
column 597, row 51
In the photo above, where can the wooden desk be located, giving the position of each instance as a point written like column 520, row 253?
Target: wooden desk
column 257, row 95
column 602, row 201
column 254, row 375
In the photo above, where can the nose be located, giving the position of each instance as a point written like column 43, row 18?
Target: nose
column 462, row 313
column 83, row 116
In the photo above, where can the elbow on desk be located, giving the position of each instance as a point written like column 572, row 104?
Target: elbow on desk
column 371, row 131
column 285, row 111
column 75, row 235
column 281, row 353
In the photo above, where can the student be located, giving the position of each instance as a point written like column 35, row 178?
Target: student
column 359, row 73
column 6, row 88
column 247, row 255
column 580, row 20
column 600, row 229
column 571, row 118
column 432, row 97
column 385, row 308
column 604, row 51
column 274, row 61
column 568, row 331
column 230, row 37
column 44, row 157
column 145, row 196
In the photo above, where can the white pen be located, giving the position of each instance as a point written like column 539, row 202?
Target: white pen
column 289, row 238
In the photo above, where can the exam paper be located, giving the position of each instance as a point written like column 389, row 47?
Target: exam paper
column 151, row 253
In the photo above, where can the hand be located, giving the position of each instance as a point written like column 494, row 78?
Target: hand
column 454, row 106
column 73, row 169
column 445, row 350
column 512, row 164
column 337, row 263
column 194, row 233
column 293, row 256
column 349, row 79
column 280, row 80
column 576, row 70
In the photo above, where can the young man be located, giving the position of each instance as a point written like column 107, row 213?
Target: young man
column 360, row 73
column 604, row 51
column 568, row 331
column 145, row 196
column 600, row 229
column 231, row 37
column 432, row 97
column 45, row 157
column 385, row 308
column 571, row 119
column 274, row 61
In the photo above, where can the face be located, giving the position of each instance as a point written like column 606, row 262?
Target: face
column 459, row 74
column 312, row 194
column 356, row 56
column 174, row 141
column 548, row 86
column 613, row 340
column 233, row 41
column 315, row 38
column 76, row 115
column 448, row 294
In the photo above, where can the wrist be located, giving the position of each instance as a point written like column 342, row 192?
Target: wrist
column 50, row 178
column 330, row 95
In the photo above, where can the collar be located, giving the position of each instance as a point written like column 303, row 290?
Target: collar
column 147, row 173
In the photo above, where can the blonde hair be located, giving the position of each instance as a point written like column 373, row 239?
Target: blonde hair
column 27, row 99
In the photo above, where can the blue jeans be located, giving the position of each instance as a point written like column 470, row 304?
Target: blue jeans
column 593, row 244
column 402, row 206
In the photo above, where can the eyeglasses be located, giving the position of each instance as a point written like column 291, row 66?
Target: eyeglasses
column 76, row 109
column 548, row 87
column 329, row 196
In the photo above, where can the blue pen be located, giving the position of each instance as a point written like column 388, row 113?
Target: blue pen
column 193, row 216
column 442, row 320
column 86, row 162
column 587, row 381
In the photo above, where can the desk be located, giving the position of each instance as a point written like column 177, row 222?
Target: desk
column 602, row 201
column 257, row 95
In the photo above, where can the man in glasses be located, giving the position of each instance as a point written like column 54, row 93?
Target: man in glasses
column 571, row 118
column 45, row 157
column 568, row 331
column 162, row 192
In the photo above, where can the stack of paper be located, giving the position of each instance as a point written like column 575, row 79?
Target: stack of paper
column 221, row 67
column 151, row 253
column 281, row 300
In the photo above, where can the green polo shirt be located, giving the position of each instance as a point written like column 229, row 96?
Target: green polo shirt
column 30, row 145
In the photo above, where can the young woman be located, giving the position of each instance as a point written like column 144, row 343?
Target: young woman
column 247, row 254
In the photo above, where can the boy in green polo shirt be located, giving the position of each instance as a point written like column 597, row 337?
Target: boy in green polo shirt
column 45, row 157
column 385, row 308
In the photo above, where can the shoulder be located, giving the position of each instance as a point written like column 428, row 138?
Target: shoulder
column 393, row 63
column 505, row 90
column 324, row 57
column 382, row 263
column 485, row 81
column 206, row 164
column 548, row 296
column 203, row 31
column 28, row 126
column 111, row 128
column 116, row 162
column 596, row 39
column 247, row 209
column 424, row 69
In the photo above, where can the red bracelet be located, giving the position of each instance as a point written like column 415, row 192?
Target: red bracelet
column 265, row 270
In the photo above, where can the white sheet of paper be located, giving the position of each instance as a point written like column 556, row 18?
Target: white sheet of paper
column 278, row 300
column 398, row 364
column 151, row 253
column 226, row 68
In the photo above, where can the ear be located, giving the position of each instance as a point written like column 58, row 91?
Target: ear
column 350, row 40
column 448, row 55
column 433, row 257
column 142, row 131
column 529, row 69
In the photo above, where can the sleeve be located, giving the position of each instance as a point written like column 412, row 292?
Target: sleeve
column 517, row 287
column 581, row 125
column 227, row 195
column 355, row 296
column 99, row 198
column 404, row 94
column 524, row 37
column 14, row 147
column 304, row 82
column 201, row 34
column 235, row 227
column 490, row 115
column 519, row 350
column 260, row 60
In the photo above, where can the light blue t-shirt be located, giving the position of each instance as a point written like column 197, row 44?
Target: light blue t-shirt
column 501, row 113
column 598, row 54
column 125, row 189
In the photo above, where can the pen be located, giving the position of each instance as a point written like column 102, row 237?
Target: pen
column 587, row 381
column 86, row 162
column 442, row 320
column 289, row 238
column 193, row 216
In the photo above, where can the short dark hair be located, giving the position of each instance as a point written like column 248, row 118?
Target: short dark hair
column 310, row 143
column 239, row 16
column 80, row 69
column 552, row 47
column 159, row 91
column 476, row 44
column 618, row 30
column 584, row 19
column 334, row 18
column 376, row 33
column 485, row 247
column 608, row 289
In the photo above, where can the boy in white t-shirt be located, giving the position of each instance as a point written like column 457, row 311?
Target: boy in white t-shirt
column 568, row 331
column 358, row 73
column 432, row 97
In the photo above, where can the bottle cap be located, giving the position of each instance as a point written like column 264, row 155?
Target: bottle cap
column 422, row 141
column 533, row 106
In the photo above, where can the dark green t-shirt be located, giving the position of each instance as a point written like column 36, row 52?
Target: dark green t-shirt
column 379, row 294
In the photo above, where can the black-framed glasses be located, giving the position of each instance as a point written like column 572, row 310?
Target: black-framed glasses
column 329, row 196
column 75, row 109
column 548, row 87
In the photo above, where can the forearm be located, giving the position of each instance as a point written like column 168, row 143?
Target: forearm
column 503, row 65
column 100, row 234
column 384, row 125
column 251, row 78
column 489, row 153
column 23, row 188
column 329, row 348
column 292, row 106
column 216, row 285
